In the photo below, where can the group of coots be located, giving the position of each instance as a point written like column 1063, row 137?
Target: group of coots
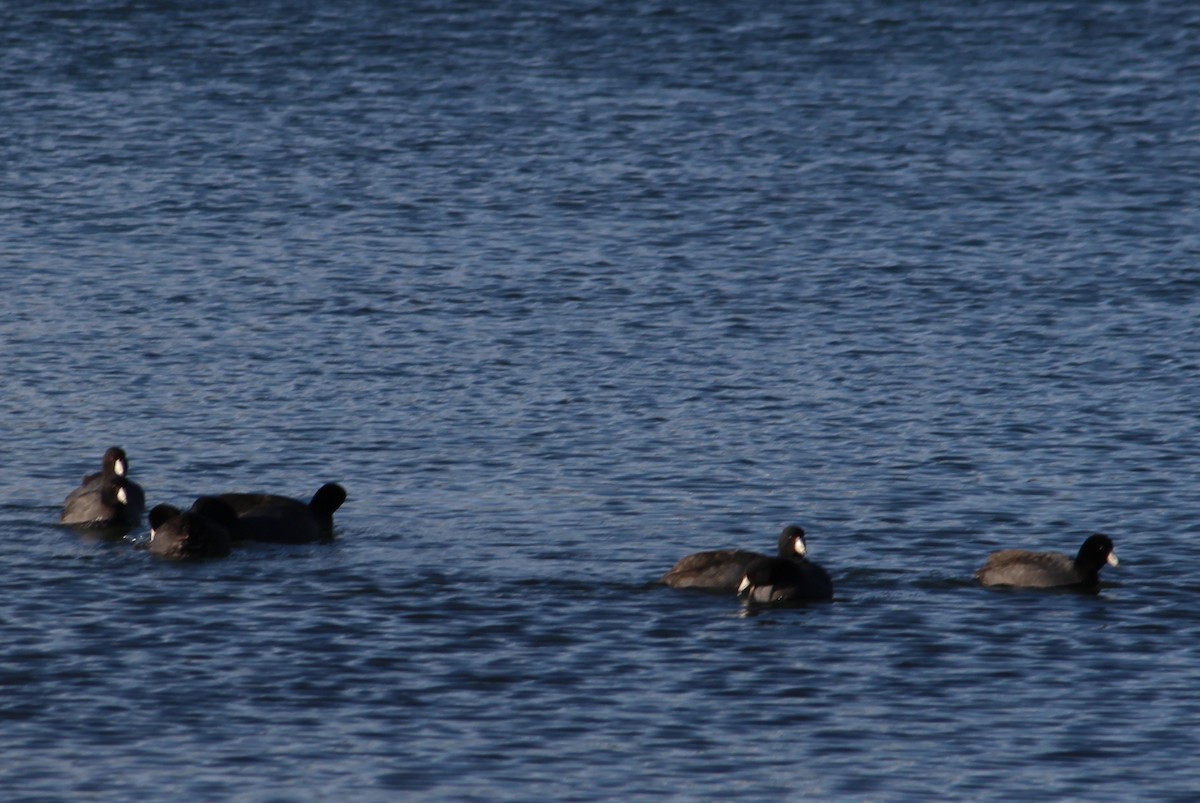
column 791, row 577
column 211, row 526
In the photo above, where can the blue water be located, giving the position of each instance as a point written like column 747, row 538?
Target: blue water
column 563, row 292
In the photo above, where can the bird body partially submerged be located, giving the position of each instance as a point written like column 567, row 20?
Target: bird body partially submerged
column 722, row 570
column 1022, row 568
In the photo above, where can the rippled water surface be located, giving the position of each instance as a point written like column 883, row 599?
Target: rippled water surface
column 561, row 293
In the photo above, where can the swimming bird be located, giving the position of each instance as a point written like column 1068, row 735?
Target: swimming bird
column 723, row 569
column 283, row 520
column 783, row 579
column 114, row 465
column 1024, row 569
column 108, row 502
column 197, row 533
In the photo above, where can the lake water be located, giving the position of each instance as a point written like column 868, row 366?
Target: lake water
column 560, row 293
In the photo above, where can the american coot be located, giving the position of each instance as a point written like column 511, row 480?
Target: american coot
column 283, row 520
column 782, row 580
column 1025, row 569
column 109, row 502
column 721, row 570
column 115, row 464
column 201, row 532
